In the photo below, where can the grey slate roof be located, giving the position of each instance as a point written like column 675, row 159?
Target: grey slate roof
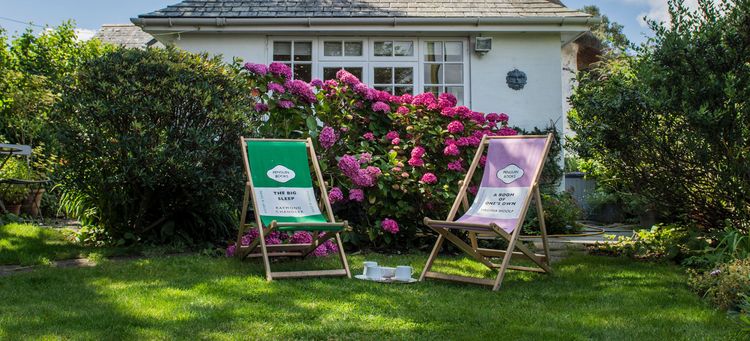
column 364, row 8
column 126, row 35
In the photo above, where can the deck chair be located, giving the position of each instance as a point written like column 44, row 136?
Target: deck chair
column 280, row 186
column 510, row 179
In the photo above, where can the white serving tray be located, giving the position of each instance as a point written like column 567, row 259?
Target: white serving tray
column 385, row 280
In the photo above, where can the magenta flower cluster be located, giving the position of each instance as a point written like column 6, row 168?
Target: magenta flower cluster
column 276, row 238
column 302, row 90
column 280, row 69
column 389, row 225
column 327, row 137
column 362, row 177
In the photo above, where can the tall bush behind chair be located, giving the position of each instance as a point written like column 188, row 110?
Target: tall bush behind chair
column 149, row 137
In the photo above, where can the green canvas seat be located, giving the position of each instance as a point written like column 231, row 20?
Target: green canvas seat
column 280, row 187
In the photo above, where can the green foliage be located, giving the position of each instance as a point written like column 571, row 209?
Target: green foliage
column 607, row 31
column 15, row 168
column 149, row 139
column 726, row 287
column 661, row 242
column 560, row 215
column 671, row 124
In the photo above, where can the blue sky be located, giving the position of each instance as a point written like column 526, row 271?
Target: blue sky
column 91, row 14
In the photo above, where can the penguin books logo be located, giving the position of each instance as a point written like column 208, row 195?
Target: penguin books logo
column 280, row 174
column 510, row 173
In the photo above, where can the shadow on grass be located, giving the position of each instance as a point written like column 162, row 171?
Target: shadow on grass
column 198, row 297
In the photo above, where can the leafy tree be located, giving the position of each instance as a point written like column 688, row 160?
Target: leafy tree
column 672, row 124
column 607, row 31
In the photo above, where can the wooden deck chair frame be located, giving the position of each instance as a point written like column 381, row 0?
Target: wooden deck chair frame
column 258, row 247
column 484, row 255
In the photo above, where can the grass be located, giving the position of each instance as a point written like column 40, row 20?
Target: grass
column 26, row 244
column 198, row 297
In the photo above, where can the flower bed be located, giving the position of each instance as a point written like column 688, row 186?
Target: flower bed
column 388, row 160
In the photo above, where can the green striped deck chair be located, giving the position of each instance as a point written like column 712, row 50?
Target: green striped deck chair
column 280, row 187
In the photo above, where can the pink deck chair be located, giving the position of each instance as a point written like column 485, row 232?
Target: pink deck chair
column 510, row 179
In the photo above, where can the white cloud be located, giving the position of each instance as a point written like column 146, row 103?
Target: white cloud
column 657, row 10
column 84, row 34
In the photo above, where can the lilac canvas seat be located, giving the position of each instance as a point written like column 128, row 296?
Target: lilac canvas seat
column 509, row 181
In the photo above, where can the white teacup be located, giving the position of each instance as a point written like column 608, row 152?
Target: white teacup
column 374, row 272
column 366, row 264
column 403, row 273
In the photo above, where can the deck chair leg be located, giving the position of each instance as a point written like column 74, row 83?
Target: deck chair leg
column 542, row 224
column 243, row 217
column 433, row 255
column 342, row 255
column 506, row 260
column 264, row 251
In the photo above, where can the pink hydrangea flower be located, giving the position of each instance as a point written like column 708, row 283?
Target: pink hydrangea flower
column 416, row 162
column 286, row 104
column 381, row 107
column 357, row 195
column 316, row 83
column 451, row 150
column 455, row 127
column 425, row 99
column 447, row 100
column 369, row 136
column 503, row 117
column 361, row 89
column 276, row 87
column 302, row 90
column 456, row 166
column 389, row 225
column 402, row 110
column 462, row 112
column 231, row 250
column 327, row 137
column 396, row 141
column 261, row 107
column 374, row 171
column 301, row 237
column 280, row 69
column 429, row 178
column 505, row 131
column 335, row 195
column 348, row 165
column 391, row 135
column 448, row 112
column 365, row 158
column 407, row 98
column 418, row 151
column 347, row 77
column 483, row 160
column 473, row 190
column 492, row 117
column 258, row 69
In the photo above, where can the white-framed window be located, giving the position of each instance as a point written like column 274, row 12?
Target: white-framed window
column 398, row 78
column 297, row 54
column 443, row 65
column 342, row 49
column 393, row 49
column 328, row 70
column 438, row 64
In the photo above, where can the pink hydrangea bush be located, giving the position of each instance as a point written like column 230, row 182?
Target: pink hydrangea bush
column 329, row 247
column 391, row 159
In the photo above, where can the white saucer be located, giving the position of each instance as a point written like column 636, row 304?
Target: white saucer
column 385, row 280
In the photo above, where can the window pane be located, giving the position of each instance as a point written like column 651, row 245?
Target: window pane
column 353, row 48
column 400, row 90
column 303, row 72
column 403, row 48
column 383, row 75
column 302, row 51
column 332, row 49
column 330, row 72
column 434, row 89
column 433, row 74
column 282, row 50
column 454, row 51
column 458, row 91
column 384, row 88
column 433, row 51
column 403, row 75
column 454, row 73
column 356, row 71
column 383, row 48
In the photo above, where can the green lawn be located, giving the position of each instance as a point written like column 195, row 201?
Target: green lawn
column 198, row 297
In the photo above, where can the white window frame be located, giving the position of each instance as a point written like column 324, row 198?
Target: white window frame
column 373, row 58
column 363, row 65
column 312, row 62
column 413, row 65
column 322, row 57
column 465, row 60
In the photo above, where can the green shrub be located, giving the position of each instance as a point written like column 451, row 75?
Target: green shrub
column 661, row 242
column 150, row 142
column 560, row 215
column 726, row 286
column 671, row 123
column 15, row 168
